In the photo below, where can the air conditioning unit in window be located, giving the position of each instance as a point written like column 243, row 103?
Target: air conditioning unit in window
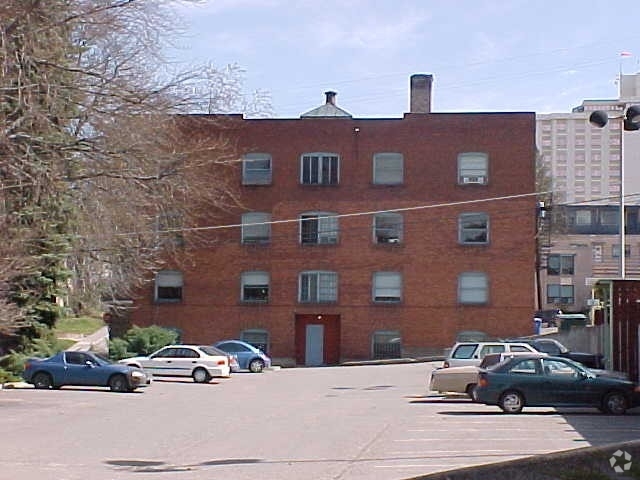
column 476, row 180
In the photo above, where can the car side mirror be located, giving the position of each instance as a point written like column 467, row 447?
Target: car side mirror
column 585, row 375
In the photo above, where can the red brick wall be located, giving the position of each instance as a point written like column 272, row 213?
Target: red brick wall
column 429, row 258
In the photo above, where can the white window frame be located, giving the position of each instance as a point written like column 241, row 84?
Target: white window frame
column 473, row 288
column 565, row 264
column 388, row 168
column 253, row 279
column 256, row 227
column 388, row 228
column 615, row 250
column 169, row 279
column 320, row 287
column 473, row 168
column 253, row 173
column 387, row 287
column 583, row 217
column 470, row 225
column 609, row 217
column 327, row 228
column 560, row 290
column 318, row 168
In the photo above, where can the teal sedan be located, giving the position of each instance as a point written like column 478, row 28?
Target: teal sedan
column 537, row 381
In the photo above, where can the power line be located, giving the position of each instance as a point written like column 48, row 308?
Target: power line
column 345, row 215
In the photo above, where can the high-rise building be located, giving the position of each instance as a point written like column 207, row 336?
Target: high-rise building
column 584, row 166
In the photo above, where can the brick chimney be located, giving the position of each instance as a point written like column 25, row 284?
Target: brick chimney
column 331, row 97
column 420, row 93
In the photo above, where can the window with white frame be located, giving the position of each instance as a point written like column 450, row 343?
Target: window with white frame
column 319, row 169
column 583, row 217
column 388, row 168
column 609, row 217
column 560, row 294
column 615, row 251
column 473, row 288
column 256, row 169
column 256, row 227
column 255, row 287
column 560, row 264
column 387, row 227
column 168, row 286
column 473, row 168
column 386, row 344
column 318, row 228
column 387, row 287
column 318, row 287
column 257, row 337
column 596, row 253
column 473, row 228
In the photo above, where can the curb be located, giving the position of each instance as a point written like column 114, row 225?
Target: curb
column 14, row 385
column 585, row 463
column 392, row 361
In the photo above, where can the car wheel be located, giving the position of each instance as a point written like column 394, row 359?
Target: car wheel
column 256, row 365
column 118, row 383
column 200, row 375
column 615, row 403
column 511, row 402
column 42, row 380
column 470, row 388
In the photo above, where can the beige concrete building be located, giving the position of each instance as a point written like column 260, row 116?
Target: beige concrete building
column 584, row 163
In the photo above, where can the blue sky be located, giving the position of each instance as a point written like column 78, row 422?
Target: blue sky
column 485, row 55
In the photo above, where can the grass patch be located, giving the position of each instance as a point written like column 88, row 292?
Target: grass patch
column 80, row 325
column 64, row 344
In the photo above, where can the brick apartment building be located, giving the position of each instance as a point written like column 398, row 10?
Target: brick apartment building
column 365, row 238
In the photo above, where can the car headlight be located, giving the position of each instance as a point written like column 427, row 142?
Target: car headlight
column 136, row 374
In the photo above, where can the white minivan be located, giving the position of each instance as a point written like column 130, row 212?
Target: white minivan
column 472, row 353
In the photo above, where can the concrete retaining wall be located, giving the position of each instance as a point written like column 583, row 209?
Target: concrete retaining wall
column 591, row 463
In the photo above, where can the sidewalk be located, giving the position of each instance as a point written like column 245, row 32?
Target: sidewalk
column 97, row 341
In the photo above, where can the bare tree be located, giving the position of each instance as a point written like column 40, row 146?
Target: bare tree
column 103, row 167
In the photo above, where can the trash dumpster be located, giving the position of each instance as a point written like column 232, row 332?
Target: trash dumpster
column 567, row 321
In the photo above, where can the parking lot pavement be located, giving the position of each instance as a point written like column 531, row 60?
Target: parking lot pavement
column 374, row 422
column 449, row 433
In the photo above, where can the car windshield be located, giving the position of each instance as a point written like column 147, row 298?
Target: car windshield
column 209, row 350
column 218, row 351
column 102, row 360
column 551, row 347
column 464, row 351
column 490, row 360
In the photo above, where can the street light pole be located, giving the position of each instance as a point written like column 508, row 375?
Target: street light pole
column 623, row 218
column 630, row 120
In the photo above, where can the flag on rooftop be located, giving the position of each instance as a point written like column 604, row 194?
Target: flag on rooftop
column 626, row 54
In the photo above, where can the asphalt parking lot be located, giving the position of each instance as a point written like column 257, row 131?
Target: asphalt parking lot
column 341, row 423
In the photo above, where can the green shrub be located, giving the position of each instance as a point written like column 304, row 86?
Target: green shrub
column 141, row 341
column 119, row 348
column 44, row 346
column 144, row 341
column 13, row 364
column 6, row 376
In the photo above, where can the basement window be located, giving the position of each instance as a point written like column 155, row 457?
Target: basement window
column 386, row 344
